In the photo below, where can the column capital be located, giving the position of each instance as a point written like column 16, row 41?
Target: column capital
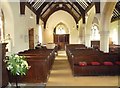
column 84, row 24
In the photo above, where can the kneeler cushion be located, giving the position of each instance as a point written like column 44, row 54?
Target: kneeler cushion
column 82, row 64
column 108, row 63
column 117, row 62
column 95, row 63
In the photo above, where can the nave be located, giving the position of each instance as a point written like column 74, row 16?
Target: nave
column 61, row 75
column 79, row 20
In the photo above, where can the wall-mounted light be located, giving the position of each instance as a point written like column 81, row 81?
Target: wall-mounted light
column 31, row 16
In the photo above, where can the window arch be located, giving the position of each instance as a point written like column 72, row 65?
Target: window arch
column 95, row 35
column 61, row 29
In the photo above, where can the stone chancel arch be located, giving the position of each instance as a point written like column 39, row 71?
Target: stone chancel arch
column 56, row 18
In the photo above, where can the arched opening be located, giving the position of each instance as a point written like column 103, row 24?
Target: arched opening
column 95, row 36
column 2, row 32
column 61, row 35
column 61, row 28
column 57, row 18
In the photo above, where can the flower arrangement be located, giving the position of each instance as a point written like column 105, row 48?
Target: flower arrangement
column 17, row 65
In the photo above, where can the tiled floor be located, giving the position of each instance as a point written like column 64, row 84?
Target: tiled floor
column 61, row 75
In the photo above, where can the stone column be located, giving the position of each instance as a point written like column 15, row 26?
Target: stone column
column 82, row 36
column 104, row 41
column 105, row 24
column 87, row 40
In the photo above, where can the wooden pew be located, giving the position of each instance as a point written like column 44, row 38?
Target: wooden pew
column 41, row 62
column 91, row 55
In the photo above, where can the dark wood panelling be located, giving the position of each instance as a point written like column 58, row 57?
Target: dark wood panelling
column 31, row 38
column 95, row 44
column 4, row 70
column 40, row 62
column 61, row 40
column 22, row 8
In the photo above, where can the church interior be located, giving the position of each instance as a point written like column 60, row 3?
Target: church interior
column 68, row 43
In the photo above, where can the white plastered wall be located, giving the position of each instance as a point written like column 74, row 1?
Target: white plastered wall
column 114, row 32
column 18, row 25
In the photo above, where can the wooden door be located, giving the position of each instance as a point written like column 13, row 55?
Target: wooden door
column 61, row 40
column 31, row 38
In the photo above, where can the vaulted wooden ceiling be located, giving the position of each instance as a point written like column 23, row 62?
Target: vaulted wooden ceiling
column 77, row 8
column 116, row 12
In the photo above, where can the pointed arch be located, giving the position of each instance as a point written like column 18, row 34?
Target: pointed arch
column 2, row 30
column 62, row 28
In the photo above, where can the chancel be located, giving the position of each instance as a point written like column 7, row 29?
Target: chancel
column 66, row 42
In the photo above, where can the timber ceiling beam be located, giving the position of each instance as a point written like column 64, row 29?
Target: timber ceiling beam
column 89, row 7
column 47, row 8
column 37, row 19
column 41, row 7
column 118, row 6
column 74, row 8
column 65, row 8
column 79, row 7
column 56, row 8
column 115, row 19
column 47, row 16
column 39, row 12
column 30, row 7
column 97, row 6
column 82, row 11
column 22, row 8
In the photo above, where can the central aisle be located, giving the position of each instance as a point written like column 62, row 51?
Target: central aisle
column 60, row 71
column 61, row 75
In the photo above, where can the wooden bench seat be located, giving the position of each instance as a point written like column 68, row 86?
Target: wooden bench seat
column 41, row 64
column 107, row 62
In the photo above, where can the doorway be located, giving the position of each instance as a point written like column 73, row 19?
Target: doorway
column 61, row 36
column 61, row 40
column 31, row 38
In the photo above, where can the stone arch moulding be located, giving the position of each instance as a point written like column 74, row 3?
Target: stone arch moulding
column 45, row 21
column 2, row 35
column 9, row 21
column 95, row 21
